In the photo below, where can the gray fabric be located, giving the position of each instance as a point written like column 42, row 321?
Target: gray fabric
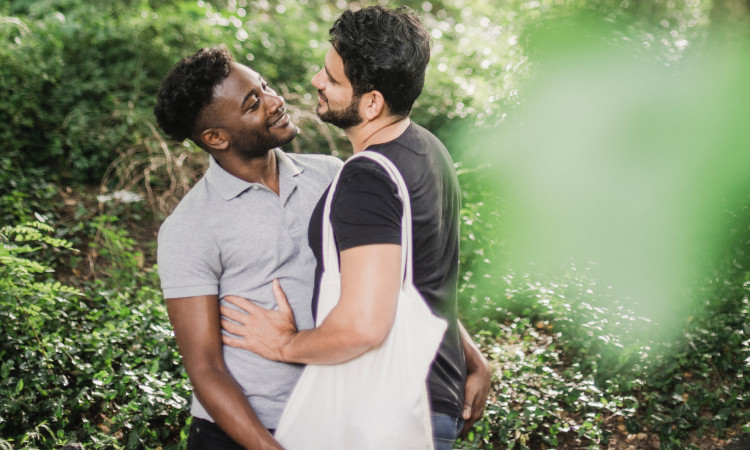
column 228, row 236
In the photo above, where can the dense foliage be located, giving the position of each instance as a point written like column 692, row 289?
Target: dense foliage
column 95, row 363
column 88, row 355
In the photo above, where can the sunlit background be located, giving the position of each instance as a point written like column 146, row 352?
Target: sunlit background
column 601, row 145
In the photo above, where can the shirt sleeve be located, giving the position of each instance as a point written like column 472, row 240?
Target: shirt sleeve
column 189, row 263
column 366, row 207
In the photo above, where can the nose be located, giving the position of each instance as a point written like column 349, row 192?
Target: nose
column 317, row 80
column 275, row 102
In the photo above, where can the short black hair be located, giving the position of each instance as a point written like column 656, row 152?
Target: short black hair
column 385, row 50
column 188, row 88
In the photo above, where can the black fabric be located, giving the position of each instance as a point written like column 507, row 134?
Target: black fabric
column 366, row 210
column 206, row 435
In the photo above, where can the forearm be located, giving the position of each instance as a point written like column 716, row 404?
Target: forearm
column 360, row 321
column 196, row 325
column 225, row 402
column 475, row 361
column 478, row 379
column 335, row 341
column 364, row 314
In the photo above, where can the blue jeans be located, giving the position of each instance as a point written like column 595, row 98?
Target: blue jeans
column 445, row 430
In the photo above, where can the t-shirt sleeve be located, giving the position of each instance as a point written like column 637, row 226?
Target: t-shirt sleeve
column 189, row 262
column 366, row 207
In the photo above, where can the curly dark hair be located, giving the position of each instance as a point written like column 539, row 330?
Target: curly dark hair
column 188, row 88
column 385, row 50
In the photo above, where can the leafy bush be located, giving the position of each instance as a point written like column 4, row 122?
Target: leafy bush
column 540, row 399
column 95, row 364
column 79, row 78
column 25, row 192
column 567, row 334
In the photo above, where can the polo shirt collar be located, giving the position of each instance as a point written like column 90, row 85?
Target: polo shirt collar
column 228, row 186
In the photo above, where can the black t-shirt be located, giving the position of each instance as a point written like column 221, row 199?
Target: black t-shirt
column 366, row 210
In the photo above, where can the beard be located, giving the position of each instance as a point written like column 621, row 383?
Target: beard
column 345, row 118
column 254, row 146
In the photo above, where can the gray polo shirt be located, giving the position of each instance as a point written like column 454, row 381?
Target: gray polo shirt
column 228, row 236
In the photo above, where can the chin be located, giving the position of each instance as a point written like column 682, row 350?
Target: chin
column 290, row 137
column 293, row 129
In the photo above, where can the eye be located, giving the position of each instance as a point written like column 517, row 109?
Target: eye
column 266, row 87
column 254, row 105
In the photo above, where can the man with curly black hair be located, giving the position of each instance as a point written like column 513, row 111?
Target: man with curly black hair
column 373, row 74
column 241, row 226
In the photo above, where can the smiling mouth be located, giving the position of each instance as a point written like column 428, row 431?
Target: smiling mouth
column 283, row 119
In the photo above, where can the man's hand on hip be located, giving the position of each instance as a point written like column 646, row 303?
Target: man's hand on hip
column 261, row 331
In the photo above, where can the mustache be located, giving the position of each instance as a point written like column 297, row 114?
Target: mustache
column 279, row 115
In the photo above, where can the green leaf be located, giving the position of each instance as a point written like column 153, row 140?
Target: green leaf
column 5, row 369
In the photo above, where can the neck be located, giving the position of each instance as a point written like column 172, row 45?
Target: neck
column 261, row 169
column 375, row 132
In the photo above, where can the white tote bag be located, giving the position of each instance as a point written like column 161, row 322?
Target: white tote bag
column 378, row 400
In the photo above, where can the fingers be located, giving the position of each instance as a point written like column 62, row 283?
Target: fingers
column 231, row 313
column 470, row 416
column 476, row 391
column 280, row 296
column 242, row 303
column 233, row 341
column 236, row 329
column 467, row 409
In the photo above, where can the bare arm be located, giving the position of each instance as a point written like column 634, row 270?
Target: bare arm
column 196, row 324
column 477, row 381
column 363, row 317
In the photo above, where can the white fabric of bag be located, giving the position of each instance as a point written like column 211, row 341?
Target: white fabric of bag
column 378, row 400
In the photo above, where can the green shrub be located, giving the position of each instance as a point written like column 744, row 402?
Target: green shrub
column 25, row 192
column 574, row 362
column 95, row 364
column 79, row 79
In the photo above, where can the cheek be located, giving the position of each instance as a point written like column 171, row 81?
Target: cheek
column 254, row 122
column 336, row 99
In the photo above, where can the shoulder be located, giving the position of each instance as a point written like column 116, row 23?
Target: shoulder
column 187, row 237
column 415, row 144
column 365, row 177
column 315, row 159
column 189, row 215
column 365, row 171
column 419, row 155
column 323, row 163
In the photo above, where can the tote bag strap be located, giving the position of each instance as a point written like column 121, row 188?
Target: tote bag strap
column 330, row 253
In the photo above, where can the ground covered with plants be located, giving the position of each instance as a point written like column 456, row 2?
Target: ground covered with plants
column 88, row 355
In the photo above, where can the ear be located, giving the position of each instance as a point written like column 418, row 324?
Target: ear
column 374, row 105
column 215, row 139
